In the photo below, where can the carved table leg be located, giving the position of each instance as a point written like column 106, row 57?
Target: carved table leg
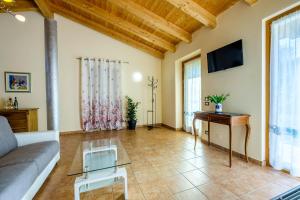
column 195, row 133
column 208, row 133
column 230, row 141
column 246, row 141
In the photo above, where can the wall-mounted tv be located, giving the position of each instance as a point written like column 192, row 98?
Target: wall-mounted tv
column 225, row 57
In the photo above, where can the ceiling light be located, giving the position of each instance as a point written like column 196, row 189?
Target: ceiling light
column 6, row 9
column 21, row 18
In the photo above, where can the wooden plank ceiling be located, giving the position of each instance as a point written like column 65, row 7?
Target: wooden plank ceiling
column 154, row 26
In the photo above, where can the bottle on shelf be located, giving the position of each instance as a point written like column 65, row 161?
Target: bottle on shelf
column 16, row 104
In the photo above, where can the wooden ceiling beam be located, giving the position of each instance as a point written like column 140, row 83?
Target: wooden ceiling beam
column 22, row 5
column 44, row 8
column 153, row 20
column 250, row 2
column 104, row 30
column 102, row 14
column 194, row 10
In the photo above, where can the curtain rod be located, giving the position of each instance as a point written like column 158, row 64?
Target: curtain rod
column 80, row 58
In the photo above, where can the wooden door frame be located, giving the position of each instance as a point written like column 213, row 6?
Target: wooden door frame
column 198, row 56
column 267, row 73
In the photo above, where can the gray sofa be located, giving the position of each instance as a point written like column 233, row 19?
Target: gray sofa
column 26, row 160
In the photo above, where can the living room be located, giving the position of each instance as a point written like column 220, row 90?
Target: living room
column 82, row 73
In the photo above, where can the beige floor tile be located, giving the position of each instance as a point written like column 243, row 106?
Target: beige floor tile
column 196, row 177
column 266, row 192
column 191, row 194
column 199, row 162
column 184, row 166
column 286, row 180
column 146, row 175
column 221, row 171
column 166, row 171
column 159, row 158
column 214, row 191
column 178, row 183
column 135, row 193
column 188, row 154
column 155, row 187
column 242, row 185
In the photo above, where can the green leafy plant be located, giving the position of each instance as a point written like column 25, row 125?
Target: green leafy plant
column 131, row 109
column 216, row 99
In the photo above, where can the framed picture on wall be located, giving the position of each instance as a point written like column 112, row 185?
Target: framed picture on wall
column 17, row 82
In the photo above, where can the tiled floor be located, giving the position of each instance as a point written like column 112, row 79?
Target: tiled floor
column 165, row 166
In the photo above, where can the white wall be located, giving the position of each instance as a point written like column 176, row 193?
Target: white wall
column 75, row 41
column 22, row 50
column 243, row 83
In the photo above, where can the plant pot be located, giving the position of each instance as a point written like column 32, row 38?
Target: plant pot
column 218, row 108
column 131, row 124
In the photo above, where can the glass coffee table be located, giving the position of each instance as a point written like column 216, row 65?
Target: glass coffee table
column 99, row 163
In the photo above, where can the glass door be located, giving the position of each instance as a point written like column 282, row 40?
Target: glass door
column 284, row 119
column 191, row 92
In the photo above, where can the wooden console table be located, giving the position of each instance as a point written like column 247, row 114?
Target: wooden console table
column 230, row 119
column 21, row 120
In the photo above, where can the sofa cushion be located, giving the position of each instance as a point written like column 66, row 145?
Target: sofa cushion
column 8, row 141
column 16, row 179
column 40, row 153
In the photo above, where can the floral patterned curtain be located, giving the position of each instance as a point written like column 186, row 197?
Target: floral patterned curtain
column 101, row 99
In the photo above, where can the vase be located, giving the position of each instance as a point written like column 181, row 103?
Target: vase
column 218, row 107
column 131, row 124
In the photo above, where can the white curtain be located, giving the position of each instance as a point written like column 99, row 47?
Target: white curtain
column 101, row 99
column 285, row 94
column 192, row 93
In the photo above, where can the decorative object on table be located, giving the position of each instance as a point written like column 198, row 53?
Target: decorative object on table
column 153, row 84
column 17, row 82
column 131, row 113
column 218, row 101
column 16, row 103
column 5, row 6
column 9, row 104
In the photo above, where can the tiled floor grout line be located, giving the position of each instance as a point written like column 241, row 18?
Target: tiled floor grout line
column 194, row 185
column 181, row 173
column 184, row 158
column 197, row 168
column 191, row 182
column 139, row 186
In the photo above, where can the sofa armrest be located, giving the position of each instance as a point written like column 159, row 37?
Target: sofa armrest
column 34, row 137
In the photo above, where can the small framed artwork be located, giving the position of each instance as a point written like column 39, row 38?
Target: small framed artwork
column 17, row 82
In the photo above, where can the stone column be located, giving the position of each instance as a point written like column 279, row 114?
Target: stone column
column 51, row 65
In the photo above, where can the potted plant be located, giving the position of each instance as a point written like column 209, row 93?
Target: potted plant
column 131, row 113
column 218, row 101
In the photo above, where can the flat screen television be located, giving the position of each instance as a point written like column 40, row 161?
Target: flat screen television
column 226, row 57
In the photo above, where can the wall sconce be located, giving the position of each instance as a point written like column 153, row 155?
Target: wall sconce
column 137, row 77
